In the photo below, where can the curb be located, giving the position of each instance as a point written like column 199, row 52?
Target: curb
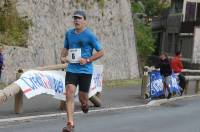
column 150, row 104
column 162, row 101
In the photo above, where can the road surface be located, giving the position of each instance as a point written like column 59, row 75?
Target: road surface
column 177, row 116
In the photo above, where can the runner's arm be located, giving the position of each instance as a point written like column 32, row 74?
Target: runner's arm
column 63, row 56
column 96, row 55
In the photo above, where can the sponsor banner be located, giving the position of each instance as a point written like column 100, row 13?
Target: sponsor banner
column 97, row 80
column 35, row 82
column 52, row 82
column 155, row 84
column 156, row 87
column 174, row 87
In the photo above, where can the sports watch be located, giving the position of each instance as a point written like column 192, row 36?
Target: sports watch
column 88, row 60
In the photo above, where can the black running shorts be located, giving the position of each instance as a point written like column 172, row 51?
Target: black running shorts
column 80, row 79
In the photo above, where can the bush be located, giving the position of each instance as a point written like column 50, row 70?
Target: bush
column 144, row 37
column 154, row 7
column 2, row 23
column 144, row 40
column 136, row 8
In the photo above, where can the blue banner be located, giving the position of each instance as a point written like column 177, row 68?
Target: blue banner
column 156, row 86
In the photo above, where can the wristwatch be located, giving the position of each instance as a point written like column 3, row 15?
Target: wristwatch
column 88, row 60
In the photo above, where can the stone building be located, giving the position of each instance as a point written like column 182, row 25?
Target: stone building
column 177, row 29
column 110, row 20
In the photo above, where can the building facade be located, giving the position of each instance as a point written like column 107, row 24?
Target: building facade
column 177, row 29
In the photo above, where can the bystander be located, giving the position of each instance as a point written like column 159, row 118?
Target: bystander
column 177, row 67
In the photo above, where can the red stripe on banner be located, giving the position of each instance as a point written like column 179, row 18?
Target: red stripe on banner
column 27, row 90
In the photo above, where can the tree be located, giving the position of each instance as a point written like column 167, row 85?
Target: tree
column 155, row 7
column 143, row 11
column 144, row 39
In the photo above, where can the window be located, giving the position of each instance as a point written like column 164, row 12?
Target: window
column 198, row 12
column 190, row 11
column 178, row 5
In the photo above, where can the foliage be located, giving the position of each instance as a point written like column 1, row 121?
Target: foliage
column 101, row 3
column 136, row 8
column 13, row 29
column 143, row 12
column 154, row 7
column 144, row 39
column 2, row 85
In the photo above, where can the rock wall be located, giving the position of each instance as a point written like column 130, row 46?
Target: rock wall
column 112, row 23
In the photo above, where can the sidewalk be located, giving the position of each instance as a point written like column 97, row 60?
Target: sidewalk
column 44, row 104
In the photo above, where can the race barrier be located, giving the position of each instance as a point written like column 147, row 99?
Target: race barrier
column 48, row 80
column 157, row 85
column 192, row 78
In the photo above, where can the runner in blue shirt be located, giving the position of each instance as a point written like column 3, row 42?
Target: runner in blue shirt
column 78, row 52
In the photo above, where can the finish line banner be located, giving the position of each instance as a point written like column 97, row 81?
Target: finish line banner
column 52, row 82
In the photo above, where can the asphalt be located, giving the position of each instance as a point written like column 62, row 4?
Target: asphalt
column 178, row 116
column 114, row 97
column 45, row 104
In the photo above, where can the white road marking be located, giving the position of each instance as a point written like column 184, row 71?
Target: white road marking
column 62, row 114
column 151, row 103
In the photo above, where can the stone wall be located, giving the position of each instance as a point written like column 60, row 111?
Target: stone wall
column 51, row 18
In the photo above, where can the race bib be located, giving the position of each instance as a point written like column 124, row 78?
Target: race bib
column 74, row 55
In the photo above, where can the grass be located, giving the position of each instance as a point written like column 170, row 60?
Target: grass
column 2, row 85
column 13, row 28
column 121, row 83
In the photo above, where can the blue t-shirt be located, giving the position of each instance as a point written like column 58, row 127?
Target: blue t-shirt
column 85, row 40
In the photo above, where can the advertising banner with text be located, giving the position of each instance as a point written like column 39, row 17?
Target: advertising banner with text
column 52, row 82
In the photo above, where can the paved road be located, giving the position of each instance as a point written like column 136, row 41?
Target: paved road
column 44, row 104
column 177, row 116
column 112, row 97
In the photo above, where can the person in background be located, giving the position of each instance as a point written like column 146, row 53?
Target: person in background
column 177, row 67
column 1, row 60
column 166, row 72
column 78, row 47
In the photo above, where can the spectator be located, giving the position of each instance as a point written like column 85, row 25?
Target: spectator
column 176, row 63
column 177, row 67
column 166, row 72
